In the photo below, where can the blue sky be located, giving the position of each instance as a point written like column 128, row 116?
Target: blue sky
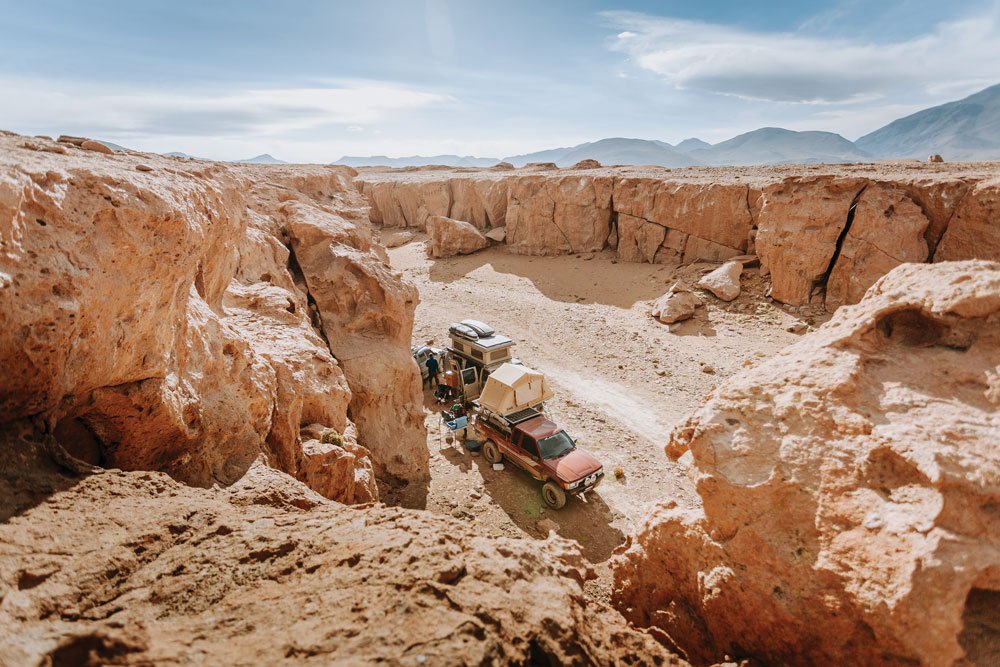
column 311, row 81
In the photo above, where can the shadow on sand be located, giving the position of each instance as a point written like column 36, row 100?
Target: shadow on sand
column 566, row 278
column 588, row 521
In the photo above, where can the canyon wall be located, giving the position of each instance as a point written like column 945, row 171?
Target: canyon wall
column 825, row 233
column 188, row 317
column 849, row 490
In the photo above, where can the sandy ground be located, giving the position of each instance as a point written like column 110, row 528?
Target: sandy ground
column 621, row 378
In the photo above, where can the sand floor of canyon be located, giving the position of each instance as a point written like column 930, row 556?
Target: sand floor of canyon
column 621, row 379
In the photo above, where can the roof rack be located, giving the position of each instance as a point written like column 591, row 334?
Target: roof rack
column 523, row 415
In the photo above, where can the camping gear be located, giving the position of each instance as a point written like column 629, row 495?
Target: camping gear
column 511, row 388
column 463, row 331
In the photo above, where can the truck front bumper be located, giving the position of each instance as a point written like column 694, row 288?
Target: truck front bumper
column 589, row 484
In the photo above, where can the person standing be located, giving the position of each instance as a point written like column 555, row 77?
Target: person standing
column 432, row 371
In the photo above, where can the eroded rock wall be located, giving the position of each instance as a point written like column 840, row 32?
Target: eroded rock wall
column 849, row 490
column 155, row 314
column 824, row 233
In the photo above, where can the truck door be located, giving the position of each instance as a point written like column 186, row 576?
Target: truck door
column 529, row 454
column 471, row 386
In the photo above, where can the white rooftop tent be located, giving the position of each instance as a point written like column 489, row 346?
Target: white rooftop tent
column 511, row 388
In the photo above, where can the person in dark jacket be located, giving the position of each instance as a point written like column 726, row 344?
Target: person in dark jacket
column 432, row 370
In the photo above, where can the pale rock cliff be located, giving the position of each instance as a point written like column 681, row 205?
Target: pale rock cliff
column 184, row 316
column 849, row 491
column 824, row 233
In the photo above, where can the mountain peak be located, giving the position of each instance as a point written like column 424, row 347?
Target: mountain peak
column 263, row 158
column 967, row 129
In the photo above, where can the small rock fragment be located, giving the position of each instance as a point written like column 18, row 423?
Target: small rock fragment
column 498, row 234
column 723, row 282
column 143, row 167
column 547, row 526
column 678, row 304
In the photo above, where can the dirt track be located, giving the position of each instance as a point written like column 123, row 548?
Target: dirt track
column 621, row 378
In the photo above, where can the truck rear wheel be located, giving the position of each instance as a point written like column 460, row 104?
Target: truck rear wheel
column 553, row 496
column 492, row 453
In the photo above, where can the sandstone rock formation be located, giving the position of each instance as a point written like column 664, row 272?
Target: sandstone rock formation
column 850, row 488
column 887, row 229
column 973, row 233
column 723, row 282
column 191, row 318
column 678, row 304
column 823, row 233
column 132, row 568
column 554, row 215
column 453, row 237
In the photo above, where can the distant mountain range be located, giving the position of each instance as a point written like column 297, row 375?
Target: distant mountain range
column 610, row 151
column 417, row 161
column 263, row 159
column 968, row 129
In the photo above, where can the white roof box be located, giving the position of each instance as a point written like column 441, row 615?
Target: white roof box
column 482, row 329
column 463, row 331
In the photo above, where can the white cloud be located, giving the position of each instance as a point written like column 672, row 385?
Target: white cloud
column 961, row 56
column 115, row 111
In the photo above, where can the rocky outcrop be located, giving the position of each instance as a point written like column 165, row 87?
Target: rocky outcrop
column 849, row 489
column 554, row 215
column 973, row 232
column 825, row 234
column 453, row 237
column 132, row 568
column 190, row 317
column 887, row 229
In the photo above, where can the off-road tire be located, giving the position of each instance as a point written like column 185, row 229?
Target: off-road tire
column 553, row 495
column 492, row 453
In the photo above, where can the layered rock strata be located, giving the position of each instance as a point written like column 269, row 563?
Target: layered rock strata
column 825, row 233
column 849, row 491
column 188, row 317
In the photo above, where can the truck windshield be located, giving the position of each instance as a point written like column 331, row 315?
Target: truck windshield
column 556, row 445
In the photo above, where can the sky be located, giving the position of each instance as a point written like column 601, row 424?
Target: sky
column 312, row 80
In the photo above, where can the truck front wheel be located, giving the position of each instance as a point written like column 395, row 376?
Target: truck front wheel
column 554, row 496
column 492, row 452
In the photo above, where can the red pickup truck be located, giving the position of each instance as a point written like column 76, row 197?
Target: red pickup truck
column 539, row 446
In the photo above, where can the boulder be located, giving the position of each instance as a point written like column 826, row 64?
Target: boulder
column 935, row 158
column 723, row 282
column 96, row 146
column 497, row 234
column 451, row 237
column 587, row 164
column 678, row 304
column 69, row 139
column 848, row 491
